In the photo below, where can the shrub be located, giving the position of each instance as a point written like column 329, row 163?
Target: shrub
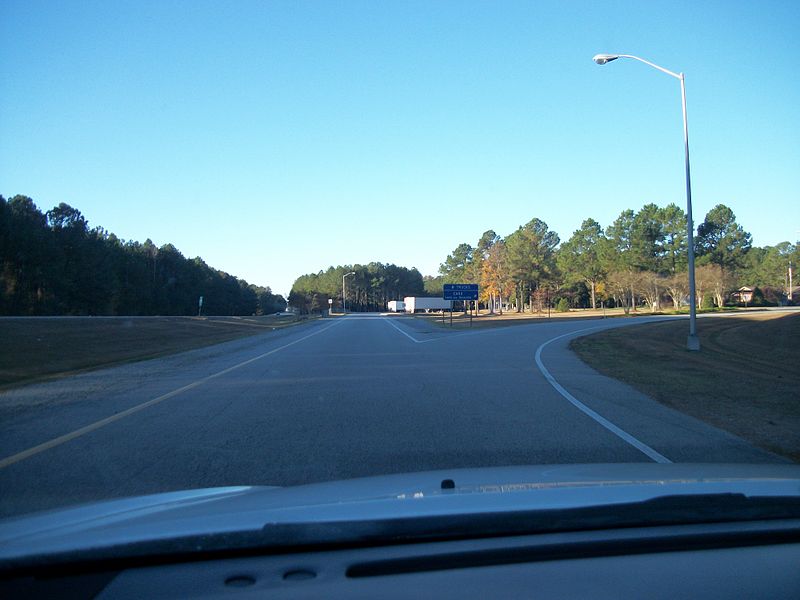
column 562, row 305
column 759, row 298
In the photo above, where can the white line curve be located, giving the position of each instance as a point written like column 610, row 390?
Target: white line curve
column 624, row 435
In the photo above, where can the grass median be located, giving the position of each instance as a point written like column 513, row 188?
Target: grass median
column 745, row 379
column 37, row 348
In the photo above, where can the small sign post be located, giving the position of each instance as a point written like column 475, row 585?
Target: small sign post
column 200, row 306
column 460, row 291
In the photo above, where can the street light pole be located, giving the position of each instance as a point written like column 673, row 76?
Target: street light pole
column 344, row 293
column 692, row 342
column 789, row 295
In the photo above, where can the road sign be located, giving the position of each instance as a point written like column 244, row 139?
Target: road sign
column 460, row 291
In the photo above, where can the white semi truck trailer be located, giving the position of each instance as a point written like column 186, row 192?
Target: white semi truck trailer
column 414, row 304
column 396, row 306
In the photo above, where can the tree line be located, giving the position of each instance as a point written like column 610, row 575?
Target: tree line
column 641, row 259
column 53, row 263
column 370, row 287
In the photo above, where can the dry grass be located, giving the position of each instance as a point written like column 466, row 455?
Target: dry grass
column 746, row 378
column 41, row 348
column 486, row 319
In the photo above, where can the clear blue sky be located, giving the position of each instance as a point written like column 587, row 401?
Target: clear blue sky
column 277, row 138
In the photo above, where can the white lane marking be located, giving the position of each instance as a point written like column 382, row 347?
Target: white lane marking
column 642, row 447
column 446, row 335
column 134, row 409
column 413, row 339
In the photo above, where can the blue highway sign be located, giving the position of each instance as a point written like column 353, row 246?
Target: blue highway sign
column 460, row 291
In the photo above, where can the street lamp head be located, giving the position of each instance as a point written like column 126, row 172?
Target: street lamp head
column 350, row 273
column 602, row 59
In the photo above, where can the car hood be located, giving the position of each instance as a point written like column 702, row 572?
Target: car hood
column 286, row 515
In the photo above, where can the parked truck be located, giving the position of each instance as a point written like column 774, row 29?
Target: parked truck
column 397, row 306
column 415, row 304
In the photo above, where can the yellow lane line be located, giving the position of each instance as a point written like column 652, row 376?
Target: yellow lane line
column 20, row 456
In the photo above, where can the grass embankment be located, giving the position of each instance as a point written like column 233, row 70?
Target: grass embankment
column 487, row 319
column 745, row 379
column 39, row 348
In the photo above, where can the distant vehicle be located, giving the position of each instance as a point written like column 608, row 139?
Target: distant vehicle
column 414, row 304
column 396, row 306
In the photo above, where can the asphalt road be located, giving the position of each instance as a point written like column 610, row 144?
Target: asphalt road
column 336, row 398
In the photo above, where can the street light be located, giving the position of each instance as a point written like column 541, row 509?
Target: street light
column 344, row 295
column 693, row 342
column 790, row 296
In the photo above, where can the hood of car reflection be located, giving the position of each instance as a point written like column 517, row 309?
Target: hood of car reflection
column 187, row 513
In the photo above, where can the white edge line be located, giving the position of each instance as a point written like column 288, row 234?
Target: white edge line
column 641, row 446
column 413, row 339
column 15, row 458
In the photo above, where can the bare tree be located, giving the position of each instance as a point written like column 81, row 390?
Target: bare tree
column 712, row 279
column 651, row 287
column 620, row 285
column 722, row 283
column 676, row 287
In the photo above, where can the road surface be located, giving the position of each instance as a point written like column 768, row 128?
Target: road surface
column 336, row 398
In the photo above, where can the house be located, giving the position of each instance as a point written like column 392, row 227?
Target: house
column 743, row 295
